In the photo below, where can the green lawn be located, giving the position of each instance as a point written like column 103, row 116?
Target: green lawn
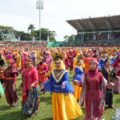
column 45, row 112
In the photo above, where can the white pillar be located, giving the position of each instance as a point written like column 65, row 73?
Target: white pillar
column 33, row 39
column 48, row 38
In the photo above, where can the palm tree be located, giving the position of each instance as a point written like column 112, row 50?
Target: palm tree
column 31, row 28
column 45, row 32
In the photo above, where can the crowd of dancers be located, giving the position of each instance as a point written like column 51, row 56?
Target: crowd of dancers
column 75, row 77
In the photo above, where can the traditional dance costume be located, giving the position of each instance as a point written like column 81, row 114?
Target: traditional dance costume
column 65, row 106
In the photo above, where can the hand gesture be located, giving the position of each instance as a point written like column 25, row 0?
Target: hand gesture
column 42, row 86
column 110, row 85
column 76, row 82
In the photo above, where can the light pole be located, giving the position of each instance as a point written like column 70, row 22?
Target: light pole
column 39, row 6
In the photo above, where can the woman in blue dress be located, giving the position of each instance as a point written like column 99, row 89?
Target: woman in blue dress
column 77, row 78
column 64, row 104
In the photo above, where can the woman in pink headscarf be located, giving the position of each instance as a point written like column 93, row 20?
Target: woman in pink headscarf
column 47, row 58
column 24, row 58
column 94, row 86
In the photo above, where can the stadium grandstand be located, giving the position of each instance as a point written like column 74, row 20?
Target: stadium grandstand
column 97, row 31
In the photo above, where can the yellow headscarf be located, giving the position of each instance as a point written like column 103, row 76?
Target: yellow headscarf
column 75, row 60
column 52, row 66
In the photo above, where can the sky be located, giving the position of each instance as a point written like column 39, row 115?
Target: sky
column 20, row 13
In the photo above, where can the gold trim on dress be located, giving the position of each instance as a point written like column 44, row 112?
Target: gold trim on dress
column 60, row 77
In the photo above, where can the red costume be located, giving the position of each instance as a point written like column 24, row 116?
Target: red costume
column 29, row 77
column 94, row 91
column 42, row 70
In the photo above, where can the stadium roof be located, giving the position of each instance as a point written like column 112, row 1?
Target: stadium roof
column 96, row 24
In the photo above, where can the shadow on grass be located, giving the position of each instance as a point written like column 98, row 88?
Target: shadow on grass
column 117, row 100
column 19, row 93
column 106, row 108
column 47, row 119
column 2, row 108
column 46, row 100
column 83, row 109
column 16, row 115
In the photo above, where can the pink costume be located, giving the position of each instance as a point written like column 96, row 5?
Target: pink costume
column 94, row 86
column 8, row 56
column 10, row 85
column 117, row 71
column 48, row 59
column 24, row 58
column 29, row 77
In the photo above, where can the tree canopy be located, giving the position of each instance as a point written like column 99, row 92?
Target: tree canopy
column 45, row 33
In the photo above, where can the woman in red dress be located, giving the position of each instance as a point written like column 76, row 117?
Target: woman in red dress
column 10, row 77
column 94, row 86
column 30, row 97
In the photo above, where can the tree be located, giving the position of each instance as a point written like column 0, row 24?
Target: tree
column 45, row 33
column 52, row 35
column 31, row 28
column 70, row 38
column 23, row 36
column 6, row 30
column 66, row 38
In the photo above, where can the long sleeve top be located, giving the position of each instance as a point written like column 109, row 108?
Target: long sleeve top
column 78, row 73
column 55, row 84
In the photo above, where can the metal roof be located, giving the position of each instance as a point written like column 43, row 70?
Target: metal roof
column 96, row 24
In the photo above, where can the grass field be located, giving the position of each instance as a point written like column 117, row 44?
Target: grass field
column 45, row 113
